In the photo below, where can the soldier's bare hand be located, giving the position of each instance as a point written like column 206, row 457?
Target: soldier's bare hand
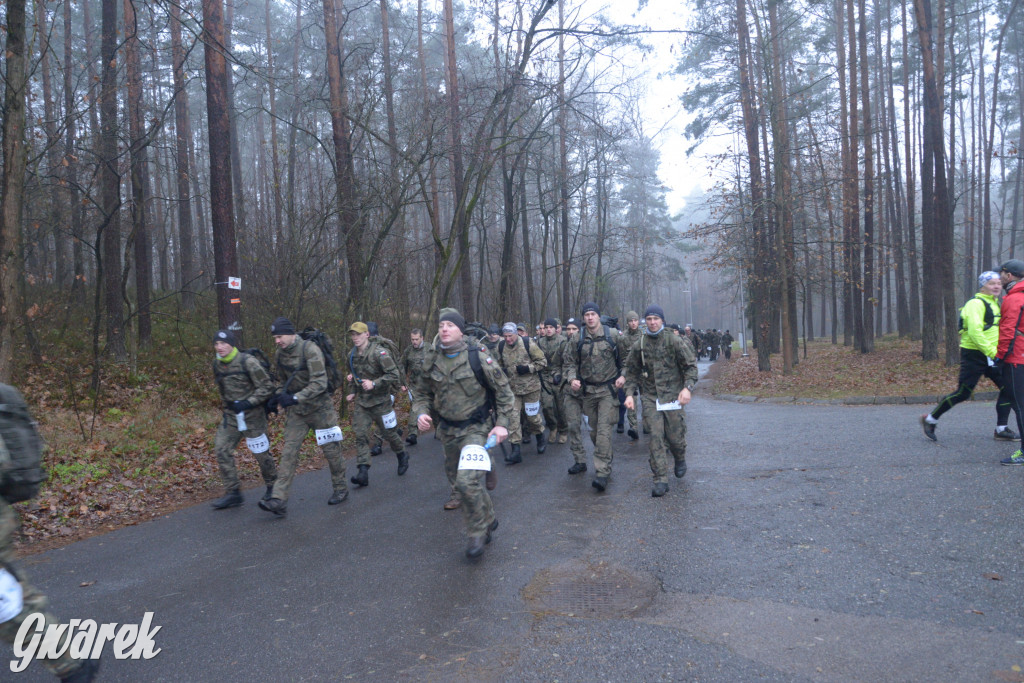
column 575, row 384
column 630, row 405
column 620, row 382
column 404, row 388
column 425, row 423
column 684, row 397
column 367, row 385
column 499, row 433
column 348, row 378
column 350, row 398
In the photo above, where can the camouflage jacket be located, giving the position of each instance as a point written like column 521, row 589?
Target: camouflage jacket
column 303, row 374
column 554, row 350
column 511, row 356
column 243, row 379
column 632, row 336
column 411, row 363
column 661, row 365
column 448, row 388
column 375, row 364
column 595, row 364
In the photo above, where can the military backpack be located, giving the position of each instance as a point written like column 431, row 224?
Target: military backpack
column 21, row 448
column 326, row 347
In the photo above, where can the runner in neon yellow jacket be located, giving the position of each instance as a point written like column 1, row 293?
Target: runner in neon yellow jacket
column 979, row 338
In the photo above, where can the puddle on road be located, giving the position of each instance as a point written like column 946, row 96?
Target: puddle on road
column 590, row 591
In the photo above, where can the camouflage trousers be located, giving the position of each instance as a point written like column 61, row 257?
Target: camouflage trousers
column 668, row 438
column 296, row 428
column 363, row 420
column 534, row 423
column 602, row 410
column 477, row 509
column 32, row 600
column 572, row 409
column 227, row 439
column 551, row 403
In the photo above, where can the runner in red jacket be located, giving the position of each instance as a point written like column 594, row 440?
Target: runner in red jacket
column 1011, row 348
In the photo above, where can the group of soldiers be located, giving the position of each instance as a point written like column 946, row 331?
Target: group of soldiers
column 480, row 393
column 710, row 343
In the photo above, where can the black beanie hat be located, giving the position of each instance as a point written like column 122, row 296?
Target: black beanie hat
column 454, row 317
column 590, row 306
column 225, row 336
column 551, row 321
column 654, row 309
column 282, row 325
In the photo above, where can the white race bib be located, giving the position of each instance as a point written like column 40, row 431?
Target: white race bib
column 671, row 405
column 532, row 408
column 328, row 435
column 261, row 444
column 390, row 420
column 10, row 596
column 474, row 457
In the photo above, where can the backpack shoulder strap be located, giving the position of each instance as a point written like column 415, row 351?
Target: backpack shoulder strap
column 478, row 370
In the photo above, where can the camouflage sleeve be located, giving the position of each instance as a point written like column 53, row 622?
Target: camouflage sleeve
column 423, row 390
column 263, row 386
column 538, row 361
column 503, row 396
column 624, row 347
column 317, row 374
column 569, row 360
column 403, row 365
column 687, row 359
column 631, row 370
column 391, row 374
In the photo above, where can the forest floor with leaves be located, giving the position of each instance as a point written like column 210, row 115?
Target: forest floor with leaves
column 830, row 371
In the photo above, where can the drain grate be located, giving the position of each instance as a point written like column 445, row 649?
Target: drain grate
column 596, row 591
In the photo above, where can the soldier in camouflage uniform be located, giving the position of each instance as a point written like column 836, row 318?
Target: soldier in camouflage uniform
column 664, row 367
column 493, row 337
column 632, row 334
column 553, row 346
column 522, row 360
column 572, row 405
column 373, row 377
column 244, row 386
column 595, row 371
column 307, row 405
column 449, row 392
column 411, row 364
column 32, row 601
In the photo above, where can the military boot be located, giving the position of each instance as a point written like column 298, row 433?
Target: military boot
column 403, row 463
column 680, row 470
column 632, row 434
column 515, row 456
column 553, row 436
column 338, row 497
column 578, row 467
column 275, row 505
column 600, row 483
column 659, row 490
column 231, row 499
column 475, row 548
column 542, row 443
column 270, row 492
column 411, row 439
column 562, row 436
column 376, row 450
column 362, row 477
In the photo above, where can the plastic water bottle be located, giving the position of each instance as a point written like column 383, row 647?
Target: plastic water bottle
column 492, row 441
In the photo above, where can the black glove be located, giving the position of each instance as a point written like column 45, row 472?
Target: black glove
column 240, row 406
column 523, row 369
column 270, row 407
column 557, row 379
column 285, row 400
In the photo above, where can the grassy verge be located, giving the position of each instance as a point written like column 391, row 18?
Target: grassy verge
column 828, row 371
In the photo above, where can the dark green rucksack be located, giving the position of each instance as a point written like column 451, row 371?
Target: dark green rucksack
column 21, row 451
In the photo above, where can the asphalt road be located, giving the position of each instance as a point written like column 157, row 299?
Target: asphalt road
column 818, row 543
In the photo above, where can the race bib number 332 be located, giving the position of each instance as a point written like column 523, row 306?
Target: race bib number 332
column 474, row 457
